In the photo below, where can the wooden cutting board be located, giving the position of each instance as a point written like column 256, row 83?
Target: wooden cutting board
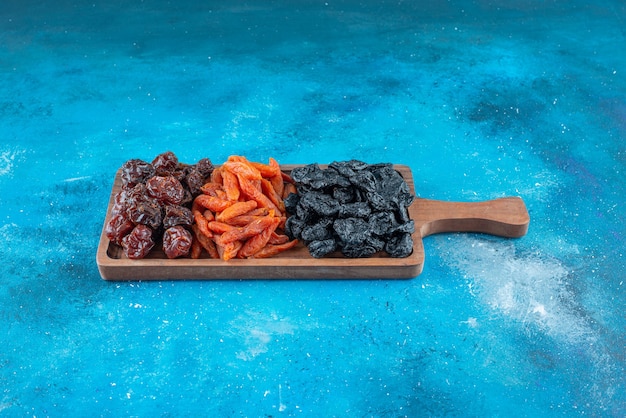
column 505, row 217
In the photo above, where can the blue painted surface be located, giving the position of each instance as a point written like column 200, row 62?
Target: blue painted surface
column 481, row 99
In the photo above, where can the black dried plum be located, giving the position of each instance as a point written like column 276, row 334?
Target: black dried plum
column 392, row 187
column 364, row 180
column 319, row 249
column 400, row 245
column 325, row 179
column 313, row 177
column 301, row 174
column 378, row 202
column 305, row 214
column 351, row 230
column 320, row 203
column 291, row 202
column 294, row 227
column 355, row 210
column 348, row 168
column 368, row 247
column 344, row 194
column 358, row 250
column 381, row 223
column 369, row 205
column 377, row 243
column 403, row 214
column 319, row 231
column 408, row 226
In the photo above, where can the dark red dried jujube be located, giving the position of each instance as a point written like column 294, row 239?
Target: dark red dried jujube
column 135, row 171
column 166, row 189
column 177, row 242
column 138, row 243
column 177, row 215
column 165, row 163
column 142, row 208
column 118, row 227
column 155, row 196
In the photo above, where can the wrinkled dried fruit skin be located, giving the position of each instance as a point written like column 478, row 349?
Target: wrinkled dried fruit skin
column 167, row 190
column 319, row 249
column 355, row 210
column 408, row 227
column 155, row 195
column 319, row 231
column 381, row 223
column 143, row 209
column 344, row 194
column 177, row 215
column 138, row 243
column 179, row 174
column 360, row 250
column 400, row 245
column 367, row 203
column 320, row 203
column 294, row 227
column 165, row 163
column 135, row 171
column 364, row 180
column 177, row 242
column 118, row 227
column 195, row 180
column 348, row 168
column 291, row 202
column 351, row 230
column 120, row 202
column 301, row 174
column 205, row 167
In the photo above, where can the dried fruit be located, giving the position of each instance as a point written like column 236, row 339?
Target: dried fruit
column 245, row 199
column 165, row 163
column 355, row 207
column 118, row 227
column 177, row 242
column 138, row 243
column 177, row 215
column 155, row 197
column 136, row 171
column 167, row 190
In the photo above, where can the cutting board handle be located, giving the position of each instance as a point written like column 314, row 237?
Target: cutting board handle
column 505, row 217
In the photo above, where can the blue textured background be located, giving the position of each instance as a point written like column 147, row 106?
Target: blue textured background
column 481, row 99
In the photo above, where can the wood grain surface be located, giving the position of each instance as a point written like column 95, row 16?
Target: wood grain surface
column 506, row 217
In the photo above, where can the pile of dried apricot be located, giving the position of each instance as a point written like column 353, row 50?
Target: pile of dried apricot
column 240, row 212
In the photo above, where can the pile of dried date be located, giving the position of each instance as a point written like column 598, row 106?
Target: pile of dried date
column 354, row 207
column 154, row 203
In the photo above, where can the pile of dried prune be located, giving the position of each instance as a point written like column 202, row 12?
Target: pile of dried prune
column 357, row 208
column 154, row 205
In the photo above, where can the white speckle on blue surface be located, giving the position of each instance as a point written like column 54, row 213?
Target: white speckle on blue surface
column 8, row 158
column 530, row 289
